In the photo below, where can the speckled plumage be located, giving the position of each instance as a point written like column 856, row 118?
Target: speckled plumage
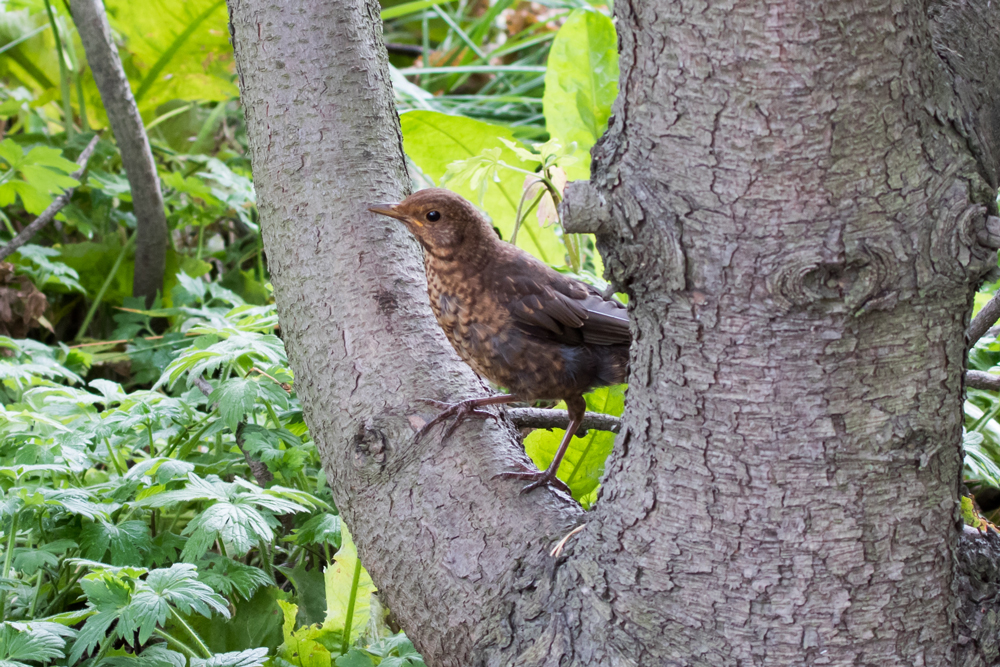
column 515, row 321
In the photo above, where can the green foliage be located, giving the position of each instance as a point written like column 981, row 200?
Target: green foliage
column 581, row 83
column 36, row 176
column 434, row 141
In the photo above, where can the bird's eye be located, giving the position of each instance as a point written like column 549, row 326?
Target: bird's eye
column 433, row 216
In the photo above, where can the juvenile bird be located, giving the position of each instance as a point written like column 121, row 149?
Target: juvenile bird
column 514, row 320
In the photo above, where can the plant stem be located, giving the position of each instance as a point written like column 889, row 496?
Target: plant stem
column 187, row 650
column 191, row 633
column 114, row 458
column 63, row 592
column 7, row 558
column 519, row 218
column 350, row 606
column 104, row 288
column 84, row 123
column 265, row 557
column 63, row 73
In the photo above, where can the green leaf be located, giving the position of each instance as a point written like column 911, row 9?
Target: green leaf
column 227, row 576
column 339, row 577
column 236, row 397
column 182, row 49
column 302, row 646
column 322, row 528
column 435, row 140
column 239, row 527
column 255, row 623
column 253, row 657
column 127, row 541
column 33, row 641
column 354, row 658
column 581, row 83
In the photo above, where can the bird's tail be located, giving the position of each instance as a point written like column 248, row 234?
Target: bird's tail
column 613, row 364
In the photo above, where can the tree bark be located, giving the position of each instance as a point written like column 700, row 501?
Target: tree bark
column 137, row 158
column 448, row 545
column 795, row 197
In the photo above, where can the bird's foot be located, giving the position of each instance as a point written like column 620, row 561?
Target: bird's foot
column 459, row 411
column 537, row 478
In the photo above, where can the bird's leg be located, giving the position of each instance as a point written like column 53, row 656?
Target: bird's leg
column 577, row 409
column 462, row 410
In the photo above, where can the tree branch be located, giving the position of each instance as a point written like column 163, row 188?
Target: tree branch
column 52, row 209
column 543, row 418
column 137, row 158
column 984, row 319
column 981, row 380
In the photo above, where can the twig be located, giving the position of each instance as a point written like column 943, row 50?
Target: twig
column 981, row 380
column 542, row 418
column 985, row 319
column 53, row 209
column 557, row 549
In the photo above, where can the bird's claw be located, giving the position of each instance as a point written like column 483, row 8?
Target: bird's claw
column 538, row 478
column 460, row 411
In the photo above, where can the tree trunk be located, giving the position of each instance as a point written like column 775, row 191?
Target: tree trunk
column 137, row 157
column 795, row 198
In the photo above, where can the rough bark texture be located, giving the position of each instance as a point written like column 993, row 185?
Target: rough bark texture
column 137, row 158
column 448, row 546
column 794, row 208
column 794, row 194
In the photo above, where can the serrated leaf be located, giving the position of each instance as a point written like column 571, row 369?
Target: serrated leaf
column 323, row 528
column 236, row 397
column 240, row 528
column 253, row 657
column 127, row 541
column 33, row 641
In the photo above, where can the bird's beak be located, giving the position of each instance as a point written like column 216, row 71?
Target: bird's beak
column 390, row 210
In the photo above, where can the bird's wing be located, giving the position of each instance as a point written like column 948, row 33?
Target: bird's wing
column 547, row 304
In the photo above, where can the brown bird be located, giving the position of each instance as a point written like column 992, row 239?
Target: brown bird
column 514, row 320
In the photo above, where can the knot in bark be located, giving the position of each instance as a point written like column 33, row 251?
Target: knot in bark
column 370, row 445
column 858, row 285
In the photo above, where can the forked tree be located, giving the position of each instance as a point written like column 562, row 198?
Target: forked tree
column 797, row 198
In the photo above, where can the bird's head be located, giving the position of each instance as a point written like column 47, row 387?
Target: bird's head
column 443, row 222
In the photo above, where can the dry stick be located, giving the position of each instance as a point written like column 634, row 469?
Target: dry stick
column 137, row 158
column 542, row 418
column 53, row 209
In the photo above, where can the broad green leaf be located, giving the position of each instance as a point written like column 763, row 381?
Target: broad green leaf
column 581, row 83
column 302, row 646
column 322, row 528
column 340, row 576
column 435, row 140
column 255, row 623
column 181, row 49
column 583, row 463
